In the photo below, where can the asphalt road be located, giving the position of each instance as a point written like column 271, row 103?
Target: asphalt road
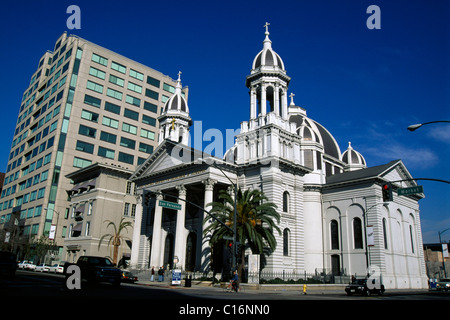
column 175, row 301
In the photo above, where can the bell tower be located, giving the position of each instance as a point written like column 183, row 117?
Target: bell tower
column 268, row 83
column 174, row 121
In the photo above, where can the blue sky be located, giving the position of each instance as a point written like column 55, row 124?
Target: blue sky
column 365, row 86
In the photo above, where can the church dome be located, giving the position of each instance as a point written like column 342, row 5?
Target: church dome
column 267, row 57
column 177, row 102
column 313, row 131
column 353, row 159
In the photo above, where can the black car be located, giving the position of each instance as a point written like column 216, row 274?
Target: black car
column 127, row 276
column 8, row 264
column 98, row 269
column 359, row 286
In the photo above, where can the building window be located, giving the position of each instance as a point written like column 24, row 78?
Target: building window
column 385, row 234
column 114, row 108
column 127, row 143
column 411, row 238
column 286, row 236
column 108, row 137
column 99, row 59
column 357, row 233
column 118, row 67
column 97, row 73
column 114, row 94
column 285, row 201
column 137, row 75
column 126, row 158
column 85, row 147
column 87, row 131
column 133, row 101
column 116, row 80
column 334, row 230
column 106, row 153
column 92, row 101
column 129, row 128
column 94, row 86
column 147, row 134
column 152, row 81
column 131, row 114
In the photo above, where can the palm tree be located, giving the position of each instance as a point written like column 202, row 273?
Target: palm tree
column 116, row 238
column 255, row 222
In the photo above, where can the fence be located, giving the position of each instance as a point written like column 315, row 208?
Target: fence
column 320, row 276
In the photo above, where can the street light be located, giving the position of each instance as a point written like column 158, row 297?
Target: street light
column 234, row 216
column 414, row 127
column 443, row 257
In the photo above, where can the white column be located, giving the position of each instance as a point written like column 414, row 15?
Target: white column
column 253, row 103
column 206, row 246
column 156, row 259
column 181, row 231
column 284, row 104
column 137, row 231
column 263, row 100
column 276, row 100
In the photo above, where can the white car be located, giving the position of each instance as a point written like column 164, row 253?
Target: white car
column 27, row 265
column 42, row 267
column 57, row 268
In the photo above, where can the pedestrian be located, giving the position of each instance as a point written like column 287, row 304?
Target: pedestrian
column 162, row 273
column 153, row 274
column 235, row 280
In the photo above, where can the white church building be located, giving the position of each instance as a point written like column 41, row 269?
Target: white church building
column 330, row 202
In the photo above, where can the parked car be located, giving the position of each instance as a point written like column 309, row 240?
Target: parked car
column 57, row 268
column 443, row 284
column 8, row 264
column 27, row 265
column 127, row 276
column 360, row 286
column 98, row 269
column 42, row 267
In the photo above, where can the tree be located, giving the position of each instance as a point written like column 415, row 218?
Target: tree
column 255, row 222
column 116, row 238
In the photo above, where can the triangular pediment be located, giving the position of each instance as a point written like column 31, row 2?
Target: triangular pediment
column 167, row 156
column 397, row 172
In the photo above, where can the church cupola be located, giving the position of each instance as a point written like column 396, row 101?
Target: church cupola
column 268, row 83
column 174, row 121
column 353, row 159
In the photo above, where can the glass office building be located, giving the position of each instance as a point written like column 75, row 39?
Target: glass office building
column 85, row 104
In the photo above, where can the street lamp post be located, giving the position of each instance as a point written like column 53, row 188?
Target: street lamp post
column 414, row 127
column 443, row 258
column 234, row 217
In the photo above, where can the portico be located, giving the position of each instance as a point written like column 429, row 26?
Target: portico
column 168, row 236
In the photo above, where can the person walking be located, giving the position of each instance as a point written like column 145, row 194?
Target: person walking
column 235, row 281
column 153, row 274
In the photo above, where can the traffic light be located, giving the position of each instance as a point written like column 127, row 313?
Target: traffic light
column 387, row 192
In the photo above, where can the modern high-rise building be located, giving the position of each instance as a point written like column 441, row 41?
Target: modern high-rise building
column 85, row 104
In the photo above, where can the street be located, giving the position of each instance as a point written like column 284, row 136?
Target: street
column 179, row 300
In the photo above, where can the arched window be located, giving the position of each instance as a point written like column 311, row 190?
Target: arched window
column 285, row 201
column 286, row 234
column 334, row 229
column 357, row 233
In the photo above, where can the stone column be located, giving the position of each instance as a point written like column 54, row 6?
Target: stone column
column 181, row 231
column 206, row 247
column 156, row 259
column 137, row 231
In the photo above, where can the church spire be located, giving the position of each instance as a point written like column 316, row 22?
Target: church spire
column 267, row 43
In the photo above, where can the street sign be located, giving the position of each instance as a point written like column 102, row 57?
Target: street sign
column 169, row 205
column 410, row 190
column 227, row 238
column 176, row 276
